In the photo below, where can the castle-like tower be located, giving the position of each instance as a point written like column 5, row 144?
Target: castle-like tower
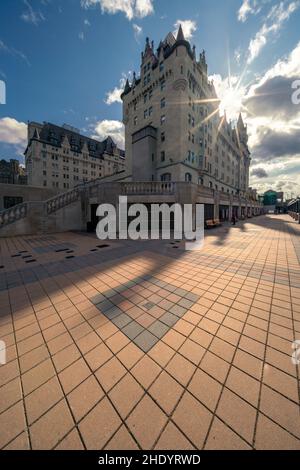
column 173, row 129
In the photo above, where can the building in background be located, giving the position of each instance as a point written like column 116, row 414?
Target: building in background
column 11, row 172
column 274, row 201
column 173, row 130
column 61, row 158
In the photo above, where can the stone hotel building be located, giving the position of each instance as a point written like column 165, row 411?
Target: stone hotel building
column 173, row 129
column 61, row 158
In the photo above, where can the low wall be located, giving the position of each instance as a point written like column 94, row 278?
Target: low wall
column 27, row 193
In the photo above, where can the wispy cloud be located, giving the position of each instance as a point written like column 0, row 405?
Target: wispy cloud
column 14, row 52
column 189, row 27
column 274, row 22
column 138, row 30
column 32, row 16
column 249, row 7
column 131, row 8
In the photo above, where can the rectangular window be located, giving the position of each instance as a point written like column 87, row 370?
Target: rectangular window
column 163, row 119
column 145, row 98
column 162, row 156
column 145, row 113
column 162, row 85
column 161, row 67
column 163, row 103
column 162, row 137
column 10, row 201
column 135, row 120
column 150, row 111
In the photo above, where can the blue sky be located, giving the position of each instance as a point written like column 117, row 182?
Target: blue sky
column 61, row 59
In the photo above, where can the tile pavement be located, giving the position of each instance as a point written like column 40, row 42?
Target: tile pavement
column 140, row 346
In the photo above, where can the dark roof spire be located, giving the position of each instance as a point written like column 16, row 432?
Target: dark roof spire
column 180, row 35
column 127, row 86
column 240, row 121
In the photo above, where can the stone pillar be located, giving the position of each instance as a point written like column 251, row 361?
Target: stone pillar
column 230, row 208
column 216, row 204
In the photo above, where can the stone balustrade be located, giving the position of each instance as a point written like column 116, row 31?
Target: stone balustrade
column 13, row 214
column 151, row 187
column 62, row 200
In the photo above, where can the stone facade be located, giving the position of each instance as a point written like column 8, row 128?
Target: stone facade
column 173, row 130
column 61, row 158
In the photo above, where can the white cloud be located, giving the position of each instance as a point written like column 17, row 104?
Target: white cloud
column 114, row 129
column 81, row 35
column 32, row 16
column 12, row 51
column 114, row 96
column 244, row 11
column 288, row 66
column 189, row 27
column 249, row 7
column 274, row 22
column 86, row 22
column 13, row 132
column 131, row 8
column 137, row 31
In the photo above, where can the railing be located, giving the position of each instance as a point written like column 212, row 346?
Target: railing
column 62, row 200
column 151, row 187
column 11, row 215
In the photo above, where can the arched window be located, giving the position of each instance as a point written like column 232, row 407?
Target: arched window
column 166, row 177
column 200, row 180
column 188, row 178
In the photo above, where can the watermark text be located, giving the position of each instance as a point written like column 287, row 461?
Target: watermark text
column 138, row 222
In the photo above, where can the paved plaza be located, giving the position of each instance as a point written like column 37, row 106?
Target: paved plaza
column 143, row 345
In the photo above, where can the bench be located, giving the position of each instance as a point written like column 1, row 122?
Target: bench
column 211, row 223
